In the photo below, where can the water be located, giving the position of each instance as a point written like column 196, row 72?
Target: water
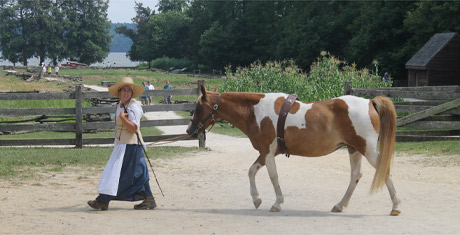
column 119, row 58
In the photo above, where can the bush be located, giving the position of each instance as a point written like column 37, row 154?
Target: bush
column 326, row 79
column 166, row 63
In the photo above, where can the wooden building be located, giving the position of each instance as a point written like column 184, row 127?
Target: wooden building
column 437, row 63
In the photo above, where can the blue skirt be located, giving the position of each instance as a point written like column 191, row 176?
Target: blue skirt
column 134, row 177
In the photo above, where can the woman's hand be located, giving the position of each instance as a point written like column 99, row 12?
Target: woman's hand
column 127, row 123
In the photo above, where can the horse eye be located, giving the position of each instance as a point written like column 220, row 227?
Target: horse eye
column 198, row 111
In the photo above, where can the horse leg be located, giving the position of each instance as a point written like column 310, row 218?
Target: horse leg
column 259, row 163
column 391, row 189
column 355, row 162
column 271, row 167
column 372, row 159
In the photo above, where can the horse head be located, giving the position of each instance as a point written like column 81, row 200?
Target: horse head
column 203, row 116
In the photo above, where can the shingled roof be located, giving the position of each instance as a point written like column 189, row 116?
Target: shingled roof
column 436, row 43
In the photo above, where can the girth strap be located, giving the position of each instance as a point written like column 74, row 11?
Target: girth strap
column 281, row 121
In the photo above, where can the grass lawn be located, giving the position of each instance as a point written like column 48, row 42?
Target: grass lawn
column 17, row 164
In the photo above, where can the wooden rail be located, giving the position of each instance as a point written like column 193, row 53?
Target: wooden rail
column 80, row 127
column 432, row 116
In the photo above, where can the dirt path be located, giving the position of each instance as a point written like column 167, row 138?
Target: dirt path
column 208, row 193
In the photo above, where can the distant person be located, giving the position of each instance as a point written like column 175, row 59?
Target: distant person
column 144, row 98
column 56, row 70
column 49, row 69
column 167, row 98
column 385, row 77
column 43, row 69
column 114, row 65
column 151, row 88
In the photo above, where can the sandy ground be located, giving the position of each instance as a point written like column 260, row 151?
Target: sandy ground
column 208, row 193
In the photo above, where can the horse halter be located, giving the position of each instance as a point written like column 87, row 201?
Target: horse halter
column 211, row 115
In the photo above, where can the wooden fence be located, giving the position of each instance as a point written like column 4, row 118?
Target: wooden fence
column 79, row 127
column 430, row 113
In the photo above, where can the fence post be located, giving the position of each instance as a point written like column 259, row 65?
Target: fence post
column 348, row 86
column 201, row 136
column 78, row 117
column 201, row 140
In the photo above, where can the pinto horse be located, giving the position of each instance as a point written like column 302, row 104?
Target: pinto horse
column 311, row 130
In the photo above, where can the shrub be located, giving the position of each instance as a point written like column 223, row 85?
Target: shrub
column 166, row 63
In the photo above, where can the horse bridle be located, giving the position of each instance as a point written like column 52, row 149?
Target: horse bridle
column 211, row 115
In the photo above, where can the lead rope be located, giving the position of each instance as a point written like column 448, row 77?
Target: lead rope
column 151, row 167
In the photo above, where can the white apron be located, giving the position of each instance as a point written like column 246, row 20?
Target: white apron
column 110, row 177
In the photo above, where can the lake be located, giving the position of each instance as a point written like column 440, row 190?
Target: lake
column 118, row 59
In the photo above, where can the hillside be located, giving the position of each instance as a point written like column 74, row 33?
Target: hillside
column 120, row 43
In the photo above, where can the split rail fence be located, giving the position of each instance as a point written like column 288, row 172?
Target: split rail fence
column 429, row 113
column 79, row 126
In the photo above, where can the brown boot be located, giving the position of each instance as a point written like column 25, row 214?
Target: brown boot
column 98, row 205
column 148, row 204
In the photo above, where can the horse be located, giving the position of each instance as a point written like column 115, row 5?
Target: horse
column 311, row 130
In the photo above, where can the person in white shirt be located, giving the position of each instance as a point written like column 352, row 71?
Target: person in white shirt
column 151, row 88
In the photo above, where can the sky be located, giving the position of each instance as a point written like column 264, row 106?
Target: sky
column 122, row 11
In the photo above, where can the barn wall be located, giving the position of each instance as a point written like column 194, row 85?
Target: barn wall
column 417, row 78
column 444, row 68
column 411, row 77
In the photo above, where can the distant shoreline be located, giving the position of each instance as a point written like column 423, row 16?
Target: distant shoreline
column 115, row 59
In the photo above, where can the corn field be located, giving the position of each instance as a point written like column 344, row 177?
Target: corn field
column 326, row 79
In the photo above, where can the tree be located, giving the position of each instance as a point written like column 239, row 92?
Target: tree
column 377, row 33
column 169, row 32
column 87, row 35
column 140, row 36
column 76, row 29
column 16, row 30
column 307, row 28
column 171, row 5
column 44, row 36
column 239, row 32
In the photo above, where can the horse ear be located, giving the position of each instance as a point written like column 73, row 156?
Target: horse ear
column 203, row 91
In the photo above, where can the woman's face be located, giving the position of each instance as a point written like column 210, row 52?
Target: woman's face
column 125, row 94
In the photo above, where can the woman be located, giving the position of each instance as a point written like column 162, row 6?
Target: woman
column 126, row 176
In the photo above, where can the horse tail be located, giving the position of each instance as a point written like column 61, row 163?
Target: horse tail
column 387, row 116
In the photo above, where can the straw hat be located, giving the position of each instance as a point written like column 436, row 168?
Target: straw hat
column 137, row 89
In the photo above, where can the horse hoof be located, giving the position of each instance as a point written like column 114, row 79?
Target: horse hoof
column 395, row 212
column 257, row 203
column 336, row 209
column 274, row 209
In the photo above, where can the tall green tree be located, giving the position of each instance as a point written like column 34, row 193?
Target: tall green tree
column 310, row 27
column 141, row 35
column 241, row 32
column 89, row 38
column 16, row 30
column 44, row 36
column 169, row 32
column 74, row 29
column 377, row 34
column 172, row 5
